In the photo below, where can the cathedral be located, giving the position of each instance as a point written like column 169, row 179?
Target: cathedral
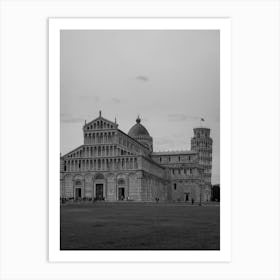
column 112, row 165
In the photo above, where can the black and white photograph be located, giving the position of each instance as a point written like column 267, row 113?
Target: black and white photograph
column 140, row 140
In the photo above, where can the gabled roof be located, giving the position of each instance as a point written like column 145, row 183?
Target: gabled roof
column 72, row 151
column 101, row 118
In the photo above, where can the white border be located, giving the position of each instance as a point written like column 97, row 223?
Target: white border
column 55, row 25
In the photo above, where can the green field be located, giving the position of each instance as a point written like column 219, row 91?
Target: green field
column 139, row 226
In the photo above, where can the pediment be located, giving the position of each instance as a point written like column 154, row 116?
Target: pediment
column 100, row 123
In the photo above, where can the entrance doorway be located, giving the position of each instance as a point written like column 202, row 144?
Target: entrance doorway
column 121, row 194
column 99, row 192
column 187, row 196
column 78, row 193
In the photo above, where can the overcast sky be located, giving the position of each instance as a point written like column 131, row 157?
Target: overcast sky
column 170, row 78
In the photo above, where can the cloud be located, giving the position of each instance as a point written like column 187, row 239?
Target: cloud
column 142, row 78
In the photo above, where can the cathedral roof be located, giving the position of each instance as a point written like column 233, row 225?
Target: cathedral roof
column 138, row 129
column 170, row 153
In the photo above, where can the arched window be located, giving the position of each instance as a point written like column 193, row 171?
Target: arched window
column 121, row 181
column 78, row 183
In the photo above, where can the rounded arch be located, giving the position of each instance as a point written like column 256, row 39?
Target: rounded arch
column 78, row 187
column 78, row 177
column 68, row 176
column 122, row 187
column 78, row 182
column 121, row 181
column 121, row 175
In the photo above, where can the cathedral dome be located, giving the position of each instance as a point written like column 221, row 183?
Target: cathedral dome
column 138, row 130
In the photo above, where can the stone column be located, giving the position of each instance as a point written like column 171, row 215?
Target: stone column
column 105, row 189
column 73, row 185
column 127, row 185
column 84, row 194
column 93, row 186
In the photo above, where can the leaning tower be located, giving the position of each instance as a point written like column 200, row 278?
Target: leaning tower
column 202, row 143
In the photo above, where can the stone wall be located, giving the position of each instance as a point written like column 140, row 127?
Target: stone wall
column 138, row 186
column 153, row 187
column 111, row 183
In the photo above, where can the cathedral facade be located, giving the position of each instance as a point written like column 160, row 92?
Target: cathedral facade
column 112, row 165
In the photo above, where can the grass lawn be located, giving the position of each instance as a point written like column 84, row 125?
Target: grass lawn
column 139, row 226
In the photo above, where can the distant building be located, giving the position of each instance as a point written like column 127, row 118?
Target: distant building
column 215, row 192
column 112, row 165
